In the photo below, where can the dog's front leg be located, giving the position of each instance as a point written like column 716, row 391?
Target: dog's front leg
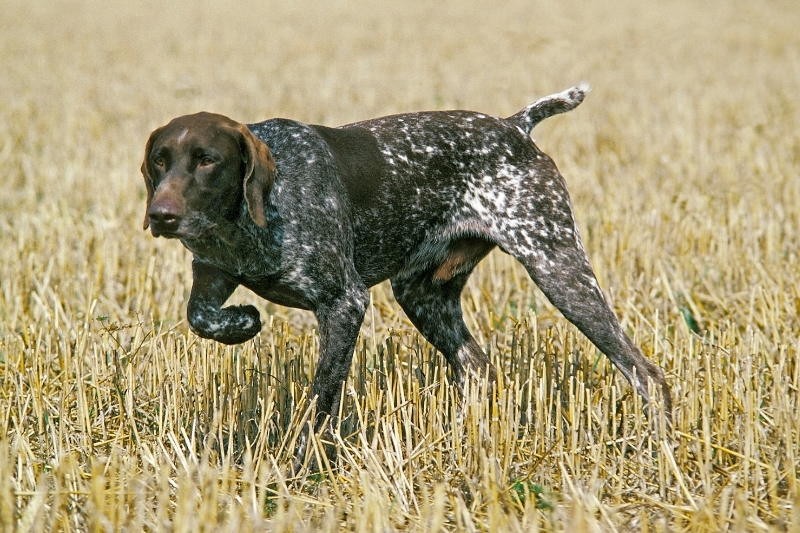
column 339, row 324
column 207, row 318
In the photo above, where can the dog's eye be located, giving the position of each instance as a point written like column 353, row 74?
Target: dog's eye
column 158, row 161
column 206, row 161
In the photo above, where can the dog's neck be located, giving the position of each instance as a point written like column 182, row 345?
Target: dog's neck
column 239, row 247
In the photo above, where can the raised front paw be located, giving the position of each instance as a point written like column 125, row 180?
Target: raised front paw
column 229, row 325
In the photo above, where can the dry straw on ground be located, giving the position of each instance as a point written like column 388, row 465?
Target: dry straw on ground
column 684, row 166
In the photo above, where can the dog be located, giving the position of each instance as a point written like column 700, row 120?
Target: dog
column 310, row 216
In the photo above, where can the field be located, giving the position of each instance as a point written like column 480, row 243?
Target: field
column 684, row 170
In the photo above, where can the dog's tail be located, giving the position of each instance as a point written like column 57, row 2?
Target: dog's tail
column 548, row 106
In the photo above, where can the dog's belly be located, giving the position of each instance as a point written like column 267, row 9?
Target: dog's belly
column 441, row 258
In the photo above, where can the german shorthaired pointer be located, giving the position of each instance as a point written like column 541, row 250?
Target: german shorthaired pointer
column 311, row 217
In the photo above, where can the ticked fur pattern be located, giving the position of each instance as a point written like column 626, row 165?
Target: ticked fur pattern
column 417, row 198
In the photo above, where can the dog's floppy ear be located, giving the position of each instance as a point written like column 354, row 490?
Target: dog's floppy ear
column 148, row 174
column 259, row 174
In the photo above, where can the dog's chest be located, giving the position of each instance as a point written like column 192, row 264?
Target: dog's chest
column 249, row 258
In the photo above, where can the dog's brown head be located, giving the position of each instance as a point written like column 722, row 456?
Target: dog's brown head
column 201, row 167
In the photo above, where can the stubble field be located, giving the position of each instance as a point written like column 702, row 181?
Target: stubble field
column 684, row 169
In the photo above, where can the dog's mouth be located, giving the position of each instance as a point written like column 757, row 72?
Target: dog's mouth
column 166, row 234
column 188, row 228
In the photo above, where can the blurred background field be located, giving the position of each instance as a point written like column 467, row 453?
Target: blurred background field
column 684, row 169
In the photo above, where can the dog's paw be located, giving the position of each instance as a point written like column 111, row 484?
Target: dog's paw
column 242, row 324
column 229, row 325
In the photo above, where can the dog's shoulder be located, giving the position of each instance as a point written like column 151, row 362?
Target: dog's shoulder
column 286, row 135
column 351, row 150
column 358, row 160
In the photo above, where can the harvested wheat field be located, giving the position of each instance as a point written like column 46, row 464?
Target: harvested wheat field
column 684, row 169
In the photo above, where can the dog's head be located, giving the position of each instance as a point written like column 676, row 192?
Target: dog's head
column 200, row 168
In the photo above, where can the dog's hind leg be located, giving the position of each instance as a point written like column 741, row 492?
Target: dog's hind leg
column 432, row 301
column 550, row 248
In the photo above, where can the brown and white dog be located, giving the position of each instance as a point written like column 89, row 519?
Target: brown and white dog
column 311, row 217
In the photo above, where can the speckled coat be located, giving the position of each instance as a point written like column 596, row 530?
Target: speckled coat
column 312, row 216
